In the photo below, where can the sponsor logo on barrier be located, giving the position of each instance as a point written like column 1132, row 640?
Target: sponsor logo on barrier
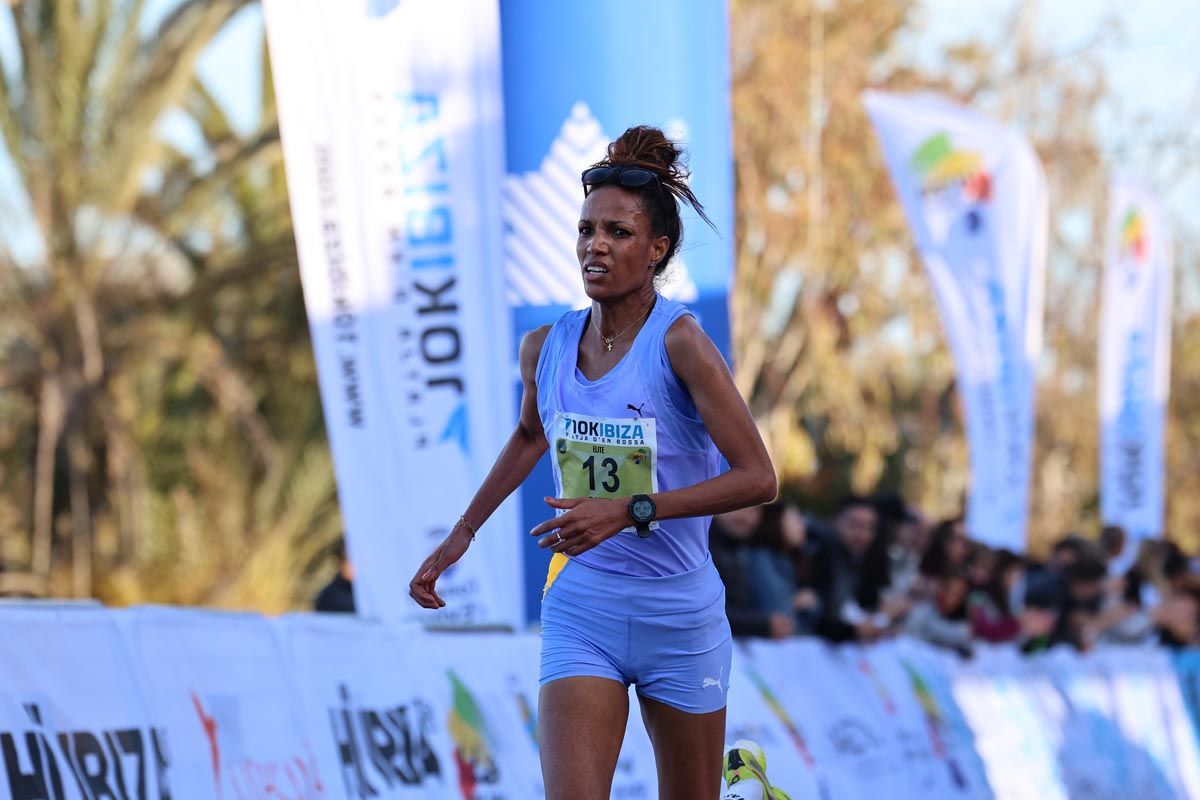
column 526, row 710
column 121, row 763
column 885, row 697
column 473, row 748
column 383, row 746
column 935, row 722
column 296, row 778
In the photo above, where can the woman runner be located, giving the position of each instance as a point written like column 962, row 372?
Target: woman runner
column 632, row 396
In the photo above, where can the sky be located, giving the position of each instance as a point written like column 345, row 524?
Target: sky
column 1151, row 53
column 1152, row 60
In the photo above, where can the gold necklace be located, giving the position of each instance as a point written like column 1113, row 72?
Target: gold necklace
column 608, row 342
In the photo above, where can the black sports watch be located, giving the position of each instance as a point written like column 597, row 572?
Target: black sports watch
column 642, row 511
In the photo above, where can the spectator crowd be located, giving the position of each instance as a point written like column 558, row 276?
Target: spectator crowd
column 877, row 567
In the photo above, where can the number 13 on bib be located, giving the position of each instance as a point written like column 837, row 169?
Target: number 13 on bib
column 605, row 457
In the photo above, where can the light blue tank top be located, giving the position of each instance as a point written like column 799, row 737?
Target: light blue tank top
column 634, row 430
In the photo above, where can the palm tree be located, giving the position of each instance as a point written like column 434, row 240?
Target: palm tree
column 150, row 286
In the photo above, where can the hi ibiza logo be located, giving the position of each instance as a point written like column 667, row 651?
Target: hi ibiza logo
column 382, row 747
column 40, row 761
column 958, row 176
column 381, row 8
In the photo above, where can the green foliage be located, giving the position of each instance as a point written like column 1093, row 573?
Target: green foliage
column 162, row 429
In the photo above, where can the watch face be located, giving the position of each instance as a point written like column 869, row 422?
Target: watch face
column 642, row 509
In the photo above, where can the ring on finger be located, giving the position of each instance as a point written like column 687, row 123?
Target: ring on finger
column 558, row 537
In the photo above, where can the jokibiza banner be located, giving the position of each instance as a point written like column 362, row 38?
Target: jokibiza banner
column 1135, row 362
column 975, row 198
column 391, row 118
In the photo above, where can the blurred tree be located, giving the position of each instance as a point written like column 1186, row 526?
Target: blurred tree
column 840, row 348
column 160, row 420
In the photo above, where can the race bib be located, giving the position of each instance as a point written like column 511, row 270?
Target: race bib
column 603, row 457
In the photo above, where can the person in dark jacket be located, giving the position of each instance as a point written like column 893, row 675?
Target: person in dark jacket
column 338, row 595
column 838, row 554
column 779, row 567
column 730, row 542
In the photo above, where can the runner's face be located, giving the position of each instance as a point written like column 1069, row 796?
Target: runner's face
column 616, row 247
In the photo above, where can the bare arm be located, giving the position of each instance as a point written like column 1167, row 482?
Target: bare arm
column 513, row 465
column 750, row 479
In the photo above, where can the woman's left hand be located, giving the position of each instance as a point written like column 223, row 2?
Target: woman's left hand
column 587, row 523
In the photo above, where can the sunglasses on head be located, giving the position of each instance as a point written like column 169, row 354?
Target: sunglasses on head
column 630, row 177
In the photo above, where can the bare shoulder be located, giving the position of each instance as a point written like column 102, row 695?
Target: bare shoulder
column 531, row 350
column 690, row 348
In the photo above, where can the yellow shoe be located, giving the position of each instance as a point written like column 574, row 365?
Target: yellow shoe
column 746, row 762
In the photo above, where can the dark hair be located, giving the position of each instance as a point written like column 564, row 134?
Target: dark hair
column 995, row 588
column 1046, row 591
column 849, row 501
column 1112, row 539
column 770, row 536
column 649, row 148
column 935, row 563
column 1072, row 542
column 770, row 530
column 1088, row 568
column 892, row 509
column 1175, row 563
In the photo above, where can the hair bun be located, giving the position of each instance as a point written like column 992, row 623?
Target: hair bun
column 647, row 146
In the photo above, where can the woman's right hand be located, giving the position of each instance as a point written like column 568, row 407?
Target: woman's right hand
column 422, row 587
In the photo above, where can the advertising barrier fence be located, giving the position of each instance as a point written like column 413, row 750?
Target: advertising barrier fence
column 179, row 703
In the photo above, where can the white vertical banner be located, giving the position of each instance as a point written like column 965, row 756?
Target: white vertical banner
column 975, row 198
column 1135, row 362
column 391, row 118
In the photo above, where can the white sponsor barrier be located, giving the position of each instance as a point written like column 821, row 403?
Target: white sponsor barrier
column 156, row 703
column 74, row 718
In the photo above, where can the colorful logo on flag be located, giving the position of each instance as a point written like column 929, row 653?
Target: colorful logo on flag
column 1134, row 246
column 944, row 169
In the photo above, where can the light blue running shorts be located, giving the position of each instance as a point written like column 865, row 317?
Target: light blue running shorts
column 668, row 636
